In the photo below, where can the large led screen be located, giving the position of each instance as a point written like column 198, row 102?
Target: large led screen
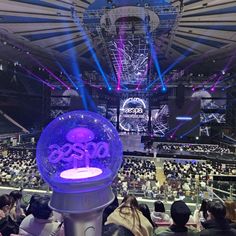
column 185, row 120
column 159, row 120
column 133, row 114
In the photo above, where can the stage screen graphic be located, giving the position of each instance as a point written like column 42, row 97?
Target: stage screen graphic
column 159, row 120
column 101, row 109
column 112, row 115
column 134, row 114
column 62, row 101
column 130, row 59
column 185, row 120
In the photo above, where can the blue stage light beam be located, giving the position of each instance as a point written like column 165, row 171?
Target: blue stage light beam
column 155, row 60
column 80, row 86
column 182, row 57
column 66, row 74
column 176, row 62
column 91, row 50
column 189, row 131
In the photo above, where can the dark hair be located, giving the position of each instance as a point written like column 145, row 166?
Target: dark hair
column 110, row 208
column 16, row 195
column 159, row 206
column 217, row 209
column 132, row 203
column 180, row 213
column 204, row 207
column 33, row 198
column 117, row 230
column 146, row 212
column 40, row 208
column 5, row 200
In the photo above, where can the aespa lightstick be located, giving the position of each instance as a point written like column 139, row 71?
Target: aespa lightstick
column 78, row 155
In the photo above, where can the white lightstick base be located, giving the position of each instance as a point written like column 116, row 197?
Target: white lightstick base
column 80, row 173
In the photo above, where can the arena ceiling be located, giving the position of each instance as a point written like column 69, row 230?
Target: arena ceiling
column 193, row 35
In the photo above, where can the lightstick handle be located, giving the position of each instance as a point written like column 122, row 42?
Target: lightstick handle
column 84, row 224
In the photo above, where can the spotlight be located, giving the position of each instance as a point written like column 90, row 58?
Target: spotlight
column 212, row 89
column 109, row 88
column 197, row 138
column 223, row 72
column 193, row 89
column 164, row 89
column 136, row 88
column 118, row 88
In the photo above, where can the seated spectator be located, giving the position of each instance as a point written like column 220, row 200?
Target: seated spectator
column 129, row 216
column 180, row 214
column 200, row 216
column 40, row 222
column 159, row 215
column 17, row 213
column 110, row 208
column 231, row 213
column 146, row 212
column 33, row 198
column 7, row 225
column 217, row 224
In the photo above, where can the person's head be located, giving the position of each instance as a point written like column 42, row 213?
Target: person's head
column 180, row 213
column 40, row 208
column 231, row 210
column 33, row 198
column 216, row 210
column 5, row 203
column 146, row 212
column 204, row 207
column 16, row 195
column 159, row 206
column 131, row 201
column 116, row 230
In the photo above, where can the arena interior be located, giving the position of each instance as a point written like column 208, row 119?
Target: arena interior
column 161, row 71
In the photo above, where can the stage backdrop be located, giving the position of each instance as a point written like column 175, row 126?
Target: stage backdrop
column 184, row 120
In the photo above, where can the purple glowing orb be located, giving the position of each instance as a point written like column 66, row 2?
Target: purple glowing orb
column 81, row 173
column 80, row 135
column 79, row 149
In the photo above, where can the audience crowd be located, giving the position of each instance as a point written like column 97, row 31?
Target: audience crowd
column 18, row 169
column 187, row 177
column 137, row 174
column 192, row 148
column 127, row 218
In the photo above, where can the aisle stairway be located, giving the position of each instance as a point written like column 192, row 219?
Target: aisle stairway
column 160, row 173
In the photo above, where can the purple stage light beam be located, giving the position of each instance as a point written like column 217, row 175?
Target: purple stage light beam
column 50, row 72
column 120, row 47
column 38, row 78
